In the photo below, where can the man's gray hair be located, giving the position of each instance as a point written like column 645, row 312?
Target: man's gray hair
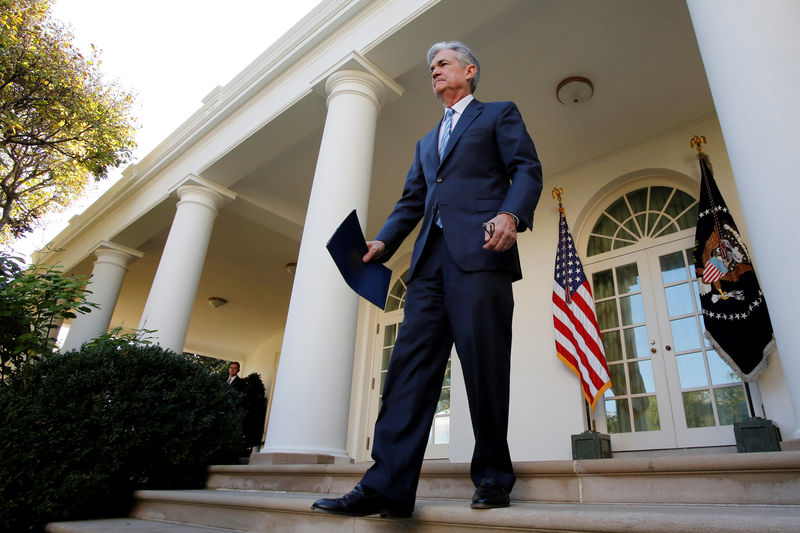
column 464, row 54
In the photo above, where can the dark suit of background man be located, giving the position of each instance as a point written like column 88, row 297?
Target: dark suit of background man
column 459, row 288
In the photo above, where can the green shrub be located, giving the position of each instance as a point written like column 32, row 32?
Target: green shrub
column 254, row 402
column 79, row 432
column 33, row 302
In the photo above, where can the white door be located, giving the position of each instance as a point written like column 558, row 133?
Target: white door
column 388, row 325
column 669, row 387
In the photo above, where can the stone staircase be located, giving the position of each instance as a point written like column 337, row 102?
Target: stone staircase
column 722, row 492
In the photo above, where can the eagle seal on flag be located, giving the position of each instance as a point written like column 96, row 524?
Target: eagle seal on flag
column 734, row 310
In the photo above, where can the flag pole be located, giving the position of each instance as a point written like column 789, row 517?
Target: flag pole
column 557, row 194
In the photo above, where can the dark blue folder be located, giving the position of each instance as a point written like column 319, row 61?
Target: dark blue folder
column 347, row 246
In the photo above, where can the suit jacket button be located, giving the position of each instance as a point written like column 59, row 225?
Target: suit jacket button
column 439, row 179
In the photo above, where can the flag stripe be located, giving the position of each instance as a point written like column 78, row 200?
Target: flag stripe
column 576, row 331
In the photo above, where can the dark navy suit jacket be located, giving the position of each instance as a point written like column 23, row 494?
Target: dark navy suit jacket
column 490, row 165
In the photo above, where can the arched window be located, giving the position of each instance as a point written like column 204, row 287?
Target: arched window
column 653, row 212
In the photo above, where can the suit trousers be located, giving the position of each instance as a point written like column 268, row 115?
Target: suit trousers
column 446, row 305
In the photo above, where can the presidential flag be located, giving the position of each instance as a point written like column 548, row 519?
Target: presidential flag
column 734, row 311
column 577, row 334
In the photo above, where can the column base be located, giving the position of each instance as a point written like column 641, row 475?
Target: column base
column 278, row 458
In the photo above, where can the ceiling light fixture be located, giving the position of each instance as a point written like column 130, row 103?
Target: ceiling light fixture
column 574, row 90
column 216, row 301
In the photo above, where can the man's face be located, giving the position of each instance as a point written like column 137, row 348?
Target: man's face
column 233, row 370
column 450, row 80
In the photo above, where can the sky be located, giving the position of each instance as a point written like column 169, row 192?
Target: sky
column 170, row 54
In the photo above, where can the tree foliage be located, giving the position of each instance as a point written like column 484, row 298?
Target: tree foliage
column 33, row 303
column 60, row 122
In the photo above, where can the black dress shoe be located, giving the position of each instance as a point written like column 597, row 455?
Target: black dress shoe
column 363, row 501
column 490, row 495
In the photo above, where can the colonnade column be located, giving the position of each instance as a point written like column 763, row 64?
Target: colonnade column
column 107, row 275
column 750, row 52
column 311, row 403
column 169, row 304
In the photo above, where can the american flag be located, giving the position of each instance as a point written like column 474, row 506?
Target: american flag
column 577, row 334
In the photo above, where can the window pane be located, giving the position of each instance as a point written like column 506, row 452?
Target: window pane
column 688, row 219
column 444, row 402
column 603, row 284
column 598, row 245
column 664, row 226
column 659, row 197
column 698, row 410
column 638, row 200
column 645, row 414
column 628, row 278
column 619, row 210
column 441, row 430
column 611, row 345
column 636, row 344
column 630, row 231
column 731, row 404
column 446, row 382
column 607, row 314
column 678, row 204
column 387, row 355
column 618, row 416
column 632, row 309
column 692, row 370
column 721, row 373
column 389, row 334
column 679, row 299
column 641, row 376
column 392, row 303
column 673, row 267
column 605, row 226
column 619, row 386
column 684, row 334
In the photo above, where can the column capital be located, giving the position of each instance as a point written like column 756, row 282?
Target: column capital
column 355, row 82
column 355, row 74
column 116, row 254
column 200, row 195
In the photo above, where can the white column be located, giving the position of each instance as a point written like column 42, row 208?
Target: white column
column 104, row 285
column 312, row 391
column 750, row 51
column 169, row 304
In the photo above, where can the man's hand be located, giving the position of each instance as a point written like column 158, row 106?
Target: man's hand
column 375, row 251
column 504, row 235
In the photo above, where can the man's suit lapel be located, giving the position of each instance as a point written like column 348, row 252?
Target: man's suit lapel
column 470, row 113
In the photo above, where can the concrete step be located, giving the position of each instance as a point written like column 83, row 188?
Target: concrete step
column 130, row 525
column 744, row 479
column 260, row 511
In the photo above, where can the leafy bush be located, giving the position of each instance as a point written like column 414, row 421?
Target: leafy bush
column 33, row 302
column 79, row 432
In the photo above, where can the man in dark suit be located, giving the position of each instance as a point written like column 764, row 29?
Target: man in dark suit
column 475, row 181
column 234, row 380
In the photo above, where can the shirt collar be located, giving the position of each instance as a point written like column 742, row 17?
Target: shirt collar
column 462, row 104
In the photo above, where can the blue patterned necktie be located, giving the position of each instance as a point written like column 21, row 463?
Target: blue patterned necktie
column 448, row 123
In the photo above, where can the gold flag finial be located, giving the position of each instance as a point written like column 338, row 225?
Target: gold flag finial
column 557, row 192
column 697, row 142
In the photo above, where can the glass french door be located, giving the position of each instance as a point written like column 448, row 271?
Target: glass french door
column 669, row 388
column 388, row 326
